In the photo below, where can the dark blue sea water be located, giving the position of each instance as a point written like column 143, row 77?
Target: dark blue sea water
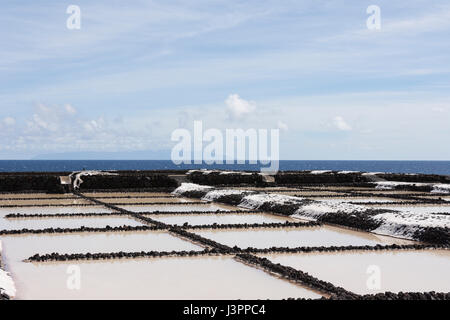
column 436, row 167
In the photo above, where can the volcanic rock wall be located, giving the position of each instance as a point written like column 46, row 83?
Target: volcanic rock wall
column 23, row 183
column 219, row 178
column 310, row 178
column 127, row 182
column 51, row 182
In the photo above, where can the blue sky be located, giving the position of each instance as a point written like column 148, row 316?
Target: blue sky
column 136, row 71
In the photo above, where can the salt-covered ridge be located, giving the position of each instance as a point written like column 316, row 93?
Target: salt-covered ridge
column 7, row 287
column 434, row 187
column 408, row 225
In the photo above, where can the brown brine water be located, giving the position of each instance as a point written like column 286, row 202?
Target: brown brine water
column 358, row 271
column 298, row 237
column 228, row 218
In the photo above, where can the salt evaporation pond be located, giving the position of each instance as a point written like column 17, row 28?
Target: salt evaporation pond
column 55, row 210
column 148, row 200
column 35, row 195
column 199, row 219
column 406, row 271
column 37, row 202
column 125, row 194
column 303, row 193
column 159, row 279
column 66, row 222
column 17, row 248
column 178, row 208
column 298, row 237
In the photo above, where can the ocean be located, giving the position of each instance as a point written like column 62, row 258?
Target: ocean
column 430, row 167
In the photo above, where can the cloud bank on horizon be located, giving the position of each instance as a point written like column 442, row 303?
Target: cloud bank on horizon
column 134, row 72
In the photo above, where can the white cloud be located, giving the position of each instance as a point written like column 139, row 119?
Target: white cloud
column 237, row 107
column 69, row 109
column 9, row 121
column 341, row 124
column 282, row 125
column 439, row 109
column 54, row 129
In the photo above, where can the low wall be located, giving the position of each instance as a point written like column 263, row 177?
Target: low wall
column 307, row 178
column 127, row 182
column 216, row 178
column 21, row 183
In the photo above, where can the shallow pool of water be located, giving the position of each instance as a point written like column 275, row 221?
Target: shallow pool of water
column 66, row 222
column 179, row 208
column 125, row 194
column 43, row 202
column 35, row 195
column 407, row 271
column 54, row 210
column 194, row 219
column 19, row 247
column 298, row 237
column 309, row 193
column 169, row 278
column 148, row 200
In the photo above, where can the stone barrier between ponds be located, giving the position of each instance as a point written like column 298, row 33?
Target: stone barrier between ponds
column 119, row 255
column 81, row 229
column 219, row 212
column 286, row 224
column 101, row 214
column 92, row 204
column 401, row 296
column 432, row 295
column 344, row 248
column 213, row 251
column 62, row 215
column 235, row 250
column 157, row 203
